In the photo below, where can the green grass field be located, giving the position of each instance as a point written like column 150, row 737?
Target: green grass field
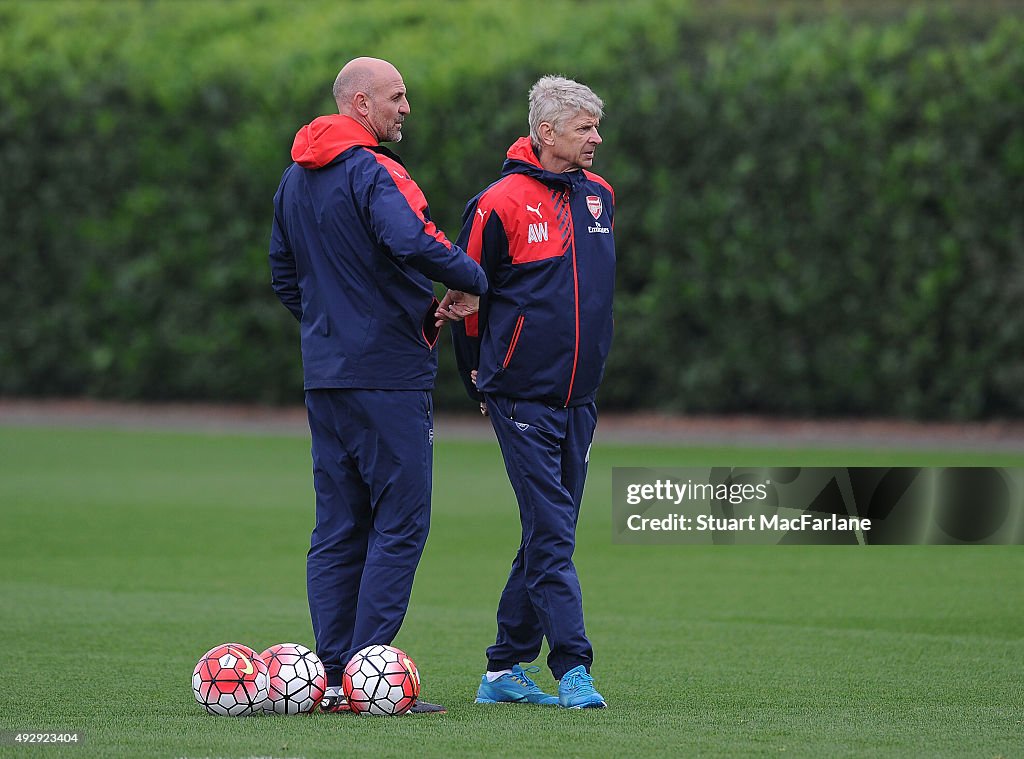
column 125, row 555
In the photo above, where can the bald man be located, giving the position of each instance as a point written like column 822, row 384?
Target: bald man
column 353, row 254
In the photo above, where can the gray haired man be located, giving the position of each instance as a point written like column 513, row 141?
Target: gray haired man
column 534, row 357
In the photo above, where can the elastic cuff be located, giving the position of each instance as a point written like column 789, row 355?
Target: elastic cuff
column 334, row 678
column 559, row 675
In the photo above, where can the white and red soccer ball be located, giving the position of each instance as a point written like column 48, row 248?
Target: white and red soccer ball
column 231, row 680
column 297, row 679
column 381, row 680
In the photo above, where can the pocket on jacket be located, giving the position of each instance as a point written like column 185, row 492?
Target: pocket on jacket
column 430, row 329
column 321, row 325
column 513, row 341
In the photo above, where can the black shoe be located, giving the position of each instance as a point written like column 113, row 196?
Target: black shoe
column 422, row 707
column 334, row 705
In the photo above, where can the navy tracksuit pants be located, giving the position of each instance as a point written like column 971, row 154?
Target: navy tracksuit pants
column 546, row 451
column 372, row 471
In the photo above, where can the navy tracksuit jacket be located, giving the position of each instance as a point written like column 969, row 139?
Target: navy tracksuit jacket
column 352, row 255
column 539, row 343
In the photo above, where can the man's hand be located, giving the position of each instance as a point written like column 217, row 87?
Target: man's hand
column 483, row 404
column 456, row 306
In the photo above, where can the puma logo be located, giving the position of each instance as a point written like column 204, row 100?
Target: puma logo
column 481, row 212
column 536, row 210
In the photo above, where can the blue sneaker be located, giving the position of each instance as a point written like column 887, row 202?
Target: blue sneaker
column 514, row 688
column 576, row 690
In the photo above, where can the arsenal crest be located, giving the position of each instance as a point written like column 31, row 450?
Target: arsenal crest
column 594, row 205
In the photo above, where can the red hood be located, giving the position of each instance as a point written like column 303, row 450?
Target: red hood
column 522, row 150
column 325, row 138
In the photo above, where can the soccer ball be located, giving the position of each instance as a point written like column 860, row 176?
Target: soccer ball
column 381, row 680
column 230, row 680
column 297, row 679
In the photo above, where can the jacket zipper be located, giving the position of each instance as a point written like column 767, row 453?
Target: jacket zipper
column 514, row 341
column 576, row 300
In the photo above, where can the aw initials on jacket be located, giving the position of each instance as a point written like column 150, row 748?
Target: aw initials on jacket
column 538, row 231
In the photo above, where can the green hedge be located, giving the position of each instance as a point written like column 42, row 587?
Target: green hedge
column 817, row 213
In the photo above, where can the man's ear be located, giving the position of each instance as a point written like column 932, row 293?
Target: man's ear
column 361, row 103
column 547, row 133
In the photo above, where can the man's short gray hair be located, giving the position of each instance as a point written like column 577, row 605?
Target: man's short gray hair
column 351, row 80
column 554, row 99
